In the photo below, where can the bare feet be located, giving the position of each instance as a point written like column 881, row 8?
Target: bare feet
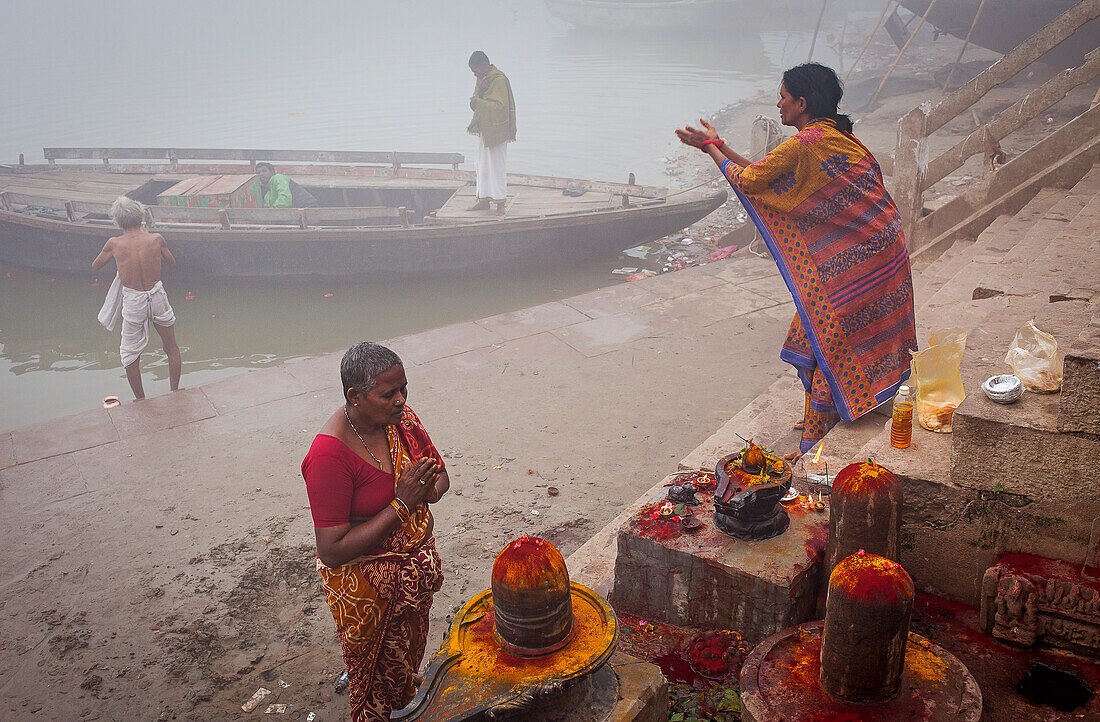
column 793, row 457
column 481, row 205
column 801, row 424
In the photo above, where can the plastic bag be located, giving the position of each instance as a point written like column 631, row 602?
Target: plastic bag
column 935, row 374
column 1034, row 358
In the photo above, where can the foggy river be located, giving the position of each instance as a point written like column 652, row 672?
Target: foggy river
column 335, row 76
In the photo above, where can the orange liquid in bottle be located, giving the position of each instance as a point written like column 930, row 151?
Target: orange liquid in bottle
column 901, row 426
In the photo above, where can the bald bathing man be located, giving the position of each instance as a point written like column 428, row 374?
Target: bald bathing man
column 137, row 294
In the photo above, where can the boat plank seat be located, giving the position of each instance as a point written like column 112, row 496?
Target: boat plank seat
column 19, row 195
column 65, row 187
column 90, row 185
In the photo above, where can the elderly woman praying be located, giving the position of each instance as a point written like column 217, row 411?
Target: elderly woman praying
column 370, row 475
column 834, row 232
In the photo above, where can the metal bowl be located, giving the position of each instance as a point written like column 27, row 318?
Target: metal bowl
column 691, row 524
column 1003, row 388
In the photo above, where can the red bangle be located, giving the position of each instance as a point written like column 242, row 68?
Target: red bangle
column 716, row 143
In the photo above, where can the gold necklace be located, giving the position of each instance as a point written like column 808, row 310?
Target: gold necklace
column 352, row 425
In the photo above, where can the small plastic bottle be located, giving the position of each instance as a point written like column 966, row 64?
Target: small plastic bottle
column 901, row 424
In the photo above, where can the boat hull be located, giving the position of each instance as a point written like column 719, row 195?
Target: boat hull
column 481, row 248
column 1004, row 24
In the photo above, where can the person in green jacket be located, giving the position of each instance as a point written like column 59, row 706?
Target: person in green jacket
column 281, row 192
column 494, row 123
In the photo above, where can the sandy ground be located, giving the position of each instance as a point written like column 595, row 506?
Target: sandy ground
column 172, row 572
column 169, row 575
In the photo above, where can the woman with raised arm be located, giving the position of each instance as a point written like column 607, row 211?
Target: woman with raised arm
column 819, row 202
column 370, row 475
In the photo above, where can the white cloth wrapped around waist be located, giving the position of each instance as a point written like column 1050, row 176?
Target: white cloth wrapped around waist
column 138, row 309
column 112, row 305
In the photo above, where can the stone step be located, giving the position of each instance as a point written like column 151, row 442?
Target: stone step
column 992, row 268
column 1079, row 407
column 1019, row 445
column 989, row 249
column 1075, row 199
column 1063, row 256
column 1083, row 281
column 927, row 281
column 767, row 420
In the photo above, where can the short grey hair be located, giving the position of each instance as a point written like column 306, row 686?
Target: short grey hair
column 363, row 363
column 127, row 212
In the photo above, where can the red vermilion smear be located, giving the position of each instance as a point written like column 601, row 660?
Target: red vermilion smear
column 996, row 666
column 530, row 562
column 1051, row 568
column 863, row 478
column 677, row 669
column 669, row 647
column 660, row 528
column 818, row 537
column 871, row 578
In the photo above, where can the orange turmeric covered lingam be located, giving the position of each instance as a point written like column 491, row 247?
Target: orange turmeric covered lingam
column 532, row 634
column 866, row 630
column 866, row 513
column 531, row 598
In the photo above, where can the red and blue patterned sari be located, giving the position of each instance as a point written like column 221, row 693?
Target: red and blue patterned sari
column 833, row 230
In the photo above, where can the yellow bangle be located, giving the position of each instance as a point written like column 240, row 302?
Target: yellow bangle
column 401, row 510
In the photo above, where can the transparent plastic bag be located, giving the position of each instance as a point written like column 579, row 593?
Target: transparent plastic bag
column 935, row 374
column 1034, row 358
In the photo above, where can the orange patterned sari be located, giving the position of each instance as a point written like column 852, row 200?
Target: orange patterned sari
column 380, row 601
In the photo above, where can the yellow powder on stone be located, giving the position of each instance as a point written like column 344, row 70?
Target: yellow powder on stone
column 922, row 664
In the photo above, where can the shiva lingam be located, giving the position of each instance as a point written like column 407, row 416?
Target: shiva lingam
column 750, row 484
column 862, row 662
column 532, row 634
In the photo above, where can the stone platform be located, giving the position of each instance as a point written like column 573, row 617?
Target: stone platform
column 712, row 580
column 626, row 689
column 779, row 683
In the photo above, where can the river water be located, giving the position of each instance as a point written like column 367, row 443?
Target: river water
column 340, row 76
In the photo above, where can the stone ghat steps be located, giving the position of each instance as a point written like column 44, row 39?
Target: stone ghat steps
column 1007, row 479
column 945, row 518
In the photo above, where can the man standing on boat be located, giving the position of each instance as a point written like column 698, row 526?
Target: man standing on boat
column 137, row 295
column 494, row 123
column 279, row 191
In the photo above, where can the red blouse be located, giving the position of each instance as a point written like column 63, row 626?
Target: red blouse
column 341, row 485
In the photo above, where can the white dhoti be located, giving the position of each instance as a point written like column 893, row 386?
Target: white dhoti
column 138, row 309
column 492, row 178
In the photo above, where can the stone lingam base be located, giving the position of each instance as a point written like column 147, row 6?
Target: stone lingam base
column 780, row 682
column 708, row 579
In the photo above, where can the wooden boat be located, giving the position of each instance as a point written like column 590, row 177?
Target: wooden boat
column 1004, row 24
column 383, row 214
column 644, row 15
